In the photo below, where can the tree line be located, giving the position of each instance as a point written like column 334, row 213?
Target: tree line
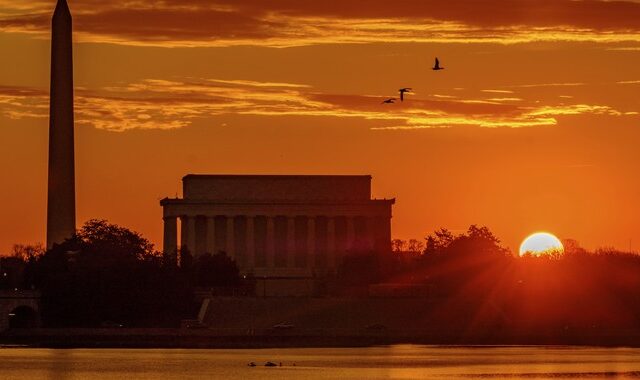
column 476, row 282
column 107, row 275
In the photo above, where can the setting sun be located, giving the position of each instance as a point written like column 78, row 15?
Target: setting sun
column 541, row 243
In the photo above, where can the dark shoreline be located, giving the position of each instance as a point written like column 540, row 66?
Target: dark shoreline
column 206, row 338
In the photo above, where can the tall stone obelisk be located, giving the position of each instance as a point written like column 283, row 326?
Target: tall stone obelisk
column 61, row 199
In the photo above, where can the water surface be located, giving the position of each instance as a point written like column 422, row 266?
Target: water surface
column 392, row 362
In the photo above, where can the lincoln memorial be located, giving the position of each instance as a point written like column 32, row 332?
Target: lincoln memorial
column 277, row 225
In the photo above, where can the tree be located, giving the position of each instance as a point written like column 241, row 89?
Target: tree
column 453, row 261
column 572, row 247
column 398, row 245
column 112, row 242
column 482, row 241
column 14, row 269
column 215, row 271
column 476, row 241
column 358, row 270
column 11, row 272
column 107, row 273
column 415, row 246
column 438, row 241
column 26, row 252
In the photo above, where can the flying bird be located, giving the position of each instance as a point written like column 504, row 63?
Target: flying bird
column 436, row 66
column 402, row 91
column 389, row 101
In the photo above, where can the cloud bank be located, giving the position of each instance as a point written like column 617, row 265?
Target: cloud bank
column 164, row 104
column 282, row 23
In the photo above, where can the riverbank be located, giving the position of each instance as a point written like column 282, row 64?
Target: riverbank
column 268, row 338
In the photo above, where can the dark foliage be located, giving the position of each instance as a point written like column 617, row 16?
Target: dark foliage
column 477, row 285
column 359, row 269
column 109, row 275
column 217, row 270
column 14, row 268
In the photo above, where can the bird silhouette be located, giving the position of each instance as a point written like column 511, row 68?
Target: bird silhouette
column 389, row 101
column 402, row 91
column 436, row 66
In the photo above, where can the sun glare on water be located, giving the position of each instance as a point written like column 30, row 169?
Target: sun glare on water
column 541, row 243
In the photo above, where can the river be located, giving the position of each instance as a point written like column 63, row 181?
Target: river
column 390, row 362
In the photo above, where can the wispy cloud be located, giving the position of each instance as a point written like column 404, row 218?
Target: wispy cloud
column 627, row 48
column 575, row 109
column 504, row 99
column 284, row 23
column 21, row 102
column 498, row 91
column 534, row 85
column 170, row 104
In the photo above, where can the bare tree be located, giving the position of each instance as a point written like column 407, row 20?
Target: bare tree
column 27, row 252
column 398, row 245
column 415, row 246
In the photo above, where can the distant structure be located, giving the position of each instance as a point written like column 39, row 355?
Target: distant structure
column 61, row 203
column 278, row 225
column 19, row 309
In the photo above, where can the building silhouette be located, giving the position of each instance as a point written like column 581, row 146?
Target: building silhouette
column 285, row 226
column 61, row 207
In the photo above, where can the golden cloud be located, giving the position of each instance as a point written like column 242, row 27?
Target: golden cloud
column 164, row 104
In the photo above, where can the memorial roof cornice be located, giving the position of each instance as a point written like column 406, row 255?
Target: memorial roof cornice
column 276, row 176
column 182, row 201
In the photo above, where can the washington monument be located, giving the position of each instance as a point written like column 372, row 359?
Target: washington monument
column 61, row 198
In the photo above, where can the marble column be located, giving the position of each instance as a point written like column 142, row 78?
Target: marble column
column 184, row 232
column 211, row 235
column 231, row 237
column 351, row 234
column 251, row 250
column 170, row 241
column 370, row 234
column 311, row 242
column 331, row 242
column 291, row 242
column 191, row 235
column 271, row 242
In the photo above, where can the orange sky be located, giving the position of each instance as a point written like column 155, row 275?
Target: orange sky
column 532, row 125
